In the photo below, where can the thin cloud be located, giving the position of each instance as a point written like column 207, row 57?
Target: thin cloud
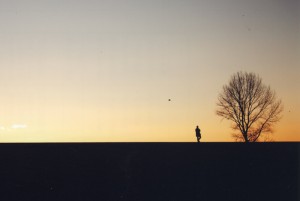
column 19, row 126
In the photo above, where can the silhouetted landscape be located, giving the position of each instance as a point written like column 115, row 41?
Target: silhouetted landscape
column 149, row 171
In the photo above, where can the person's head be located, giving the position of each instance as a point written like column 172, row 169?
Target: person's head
column 197, row 127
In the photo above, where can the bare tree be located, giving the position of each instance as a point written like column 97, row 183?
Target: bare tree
column 252, row 106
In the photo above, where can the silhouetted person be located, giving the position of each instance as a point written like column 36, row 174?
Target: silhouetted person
column 198, row 134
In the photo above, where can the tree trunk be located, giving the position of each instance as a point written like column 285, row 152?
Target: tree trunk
column 246, row 138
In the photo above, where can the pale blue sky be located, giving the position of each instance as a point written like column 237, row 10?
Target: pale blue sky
column 101, row 68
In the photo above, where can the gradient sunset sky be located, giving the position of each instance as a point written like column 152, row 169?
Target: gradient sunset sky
column 103, row 70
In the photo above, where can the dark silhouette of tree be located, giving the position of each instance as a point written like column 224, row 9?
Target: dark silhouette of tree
column 251, row 105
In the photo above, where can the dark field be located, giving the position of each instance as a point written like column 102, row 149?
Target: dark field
column 149, row 171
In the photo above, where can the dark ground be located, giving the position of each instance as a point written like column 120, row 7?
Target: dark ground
column 149, row 171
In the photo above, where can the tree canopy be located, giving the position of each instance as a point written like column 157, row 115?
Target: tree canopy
column 251, row 106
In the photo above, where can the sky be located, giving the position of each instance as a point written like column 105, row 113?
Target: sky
column 104, row 70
